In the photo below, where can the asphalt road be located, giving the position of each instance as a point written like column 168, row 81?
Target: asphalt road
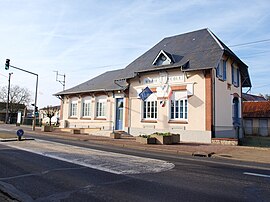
column 34, row 172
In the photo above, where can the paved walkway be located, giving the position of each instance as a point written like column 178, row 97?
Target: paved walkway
column 252, row 154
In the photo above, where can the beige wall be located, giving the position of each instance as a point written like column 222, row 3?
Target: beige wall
column 193, row 129
column 224, row 94
column 105, row 123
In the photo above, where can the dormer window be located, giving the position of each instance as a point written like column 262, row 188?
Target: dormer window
column 163, row 58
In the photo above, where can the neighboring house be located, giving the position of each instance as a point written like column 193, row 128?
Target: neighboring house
column 256, row 118
column 189, row 84
column 12, row 115
column 43, row 114
column 250, row 97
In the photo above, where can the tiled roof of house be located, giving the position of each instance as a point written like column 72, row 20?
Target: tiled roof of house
column 258, row 109
column 250, row 97
column 190, row 51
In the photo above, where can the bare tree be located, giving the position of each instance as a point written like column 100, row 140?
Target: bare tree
column 50, row 111
column 17, row 97
column 267, row 96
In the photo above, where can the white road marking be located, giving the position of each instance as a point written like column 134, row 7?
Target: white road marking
column 101, row 160
column 256, row 174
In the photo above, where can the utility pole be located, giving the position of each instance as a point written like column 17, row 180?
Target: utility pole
column 63, row 82
column 7, row 66
column 7, row 104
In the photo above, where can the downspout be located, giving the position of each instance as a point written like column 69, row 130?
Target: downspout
column 214, row 104
column 129, row 115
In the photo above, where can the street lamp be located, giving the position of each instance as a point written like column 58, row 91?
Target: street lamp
column 7, row 66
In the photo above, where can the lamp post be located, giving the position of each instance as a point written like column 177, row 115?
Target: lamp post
column 7, row 104
column 7, row 65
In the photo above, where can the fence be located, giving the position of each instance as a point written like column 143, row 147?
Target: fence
column 256, row 131
column 26, row 121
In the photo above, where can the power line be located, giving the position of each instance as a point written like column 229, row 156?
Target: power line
column 235, row 45
column 260, row 86
column 250, row 43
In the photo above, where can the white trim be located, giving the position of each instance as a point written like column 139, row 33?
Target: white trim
column 215, row 39
column 161, row 52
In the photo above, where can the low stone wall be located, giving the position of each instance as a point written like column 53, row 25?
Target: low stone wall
column 185, row 135
column 225, row 141
column 78, row 130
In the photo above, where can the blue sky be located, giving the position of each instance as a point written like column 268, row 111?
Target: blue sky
column 85, row 38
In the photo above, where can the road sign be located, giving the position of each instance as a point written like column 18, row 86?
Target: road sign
column 20, row 133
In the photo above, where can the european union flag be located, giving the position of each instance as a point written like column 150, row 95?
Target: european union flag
column 145, row 93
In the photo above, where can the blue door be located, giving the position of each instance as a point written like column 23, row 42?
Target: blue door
column 119, row 114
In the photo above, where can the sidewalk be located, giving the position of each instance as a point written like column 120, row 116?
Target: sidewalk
column 251, row 154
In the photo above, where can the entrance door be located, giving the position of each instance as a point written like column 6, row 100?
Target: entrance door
column 119, row 114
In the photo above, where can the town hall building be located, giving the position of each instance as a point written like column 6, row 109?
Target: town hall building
column 190, row 84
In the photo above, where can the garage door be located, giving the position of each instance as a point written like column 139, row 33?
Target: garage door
column 263, row 127
column 248, row 127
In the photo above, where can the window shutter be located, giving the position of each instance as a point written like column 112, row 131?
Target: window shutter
column 232, row 74
column 238, row 77
column 217, row 71
column 224, row 70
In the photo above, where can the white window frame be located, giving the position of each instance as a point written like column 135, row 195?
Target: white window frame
column 235, row 76
column 176, row 108
column 150, row 105
column 101, row 103
column 73, row 111
column 86, row 107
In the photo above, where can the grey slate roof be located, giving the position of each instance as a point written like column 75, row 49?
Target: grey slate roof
column 190, row 51
column 193, row 51
column 103, row 82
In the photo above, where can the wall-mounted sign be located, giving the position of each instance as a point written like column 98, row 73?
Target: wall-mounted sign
column 164, row 79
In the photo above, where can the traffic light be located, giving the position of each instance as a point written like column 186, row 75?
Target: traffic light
column 36, row 112
column 7, row 64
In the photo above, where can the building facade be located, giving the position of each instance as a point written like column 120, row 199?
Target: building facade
column 189, row 84
column 256, row 118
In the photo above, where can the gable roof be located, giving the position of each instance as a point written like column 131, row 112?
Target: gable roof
column 103, row 82
column 191, row 51
column 258, row 109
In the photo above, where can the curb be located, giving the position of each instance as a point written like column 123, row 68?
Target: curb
column 119, row 144
column 14, row 139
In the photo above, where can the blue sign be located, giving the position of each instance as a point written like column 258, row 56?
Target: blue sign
column 20, row 132
column 145, row 93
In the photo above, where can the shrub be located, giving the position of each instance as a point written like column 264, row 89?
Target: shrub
column 162, row 134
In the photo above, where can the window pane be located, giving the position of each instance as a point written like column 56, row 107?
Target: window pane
column 144, row 109
column 172, row 109
column 155, row 109
column 186, row 109
column 176, row 109
column 181, row 109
